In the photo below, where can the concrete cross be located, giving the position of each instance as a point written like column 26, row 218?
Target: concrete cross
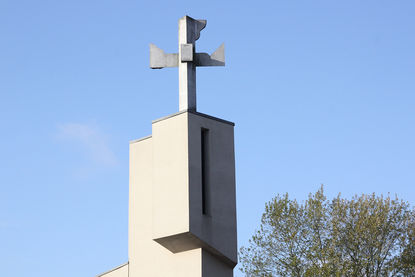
column 187, row 60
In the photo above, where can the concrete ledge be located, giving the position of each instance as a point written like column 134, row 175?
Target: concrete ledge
column 188, row 241
column 114, row 273
column 140, row 139
column 195, row 113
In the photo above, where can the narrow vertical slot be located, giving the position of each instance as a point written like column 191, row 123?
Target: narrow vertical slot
column 205, row 170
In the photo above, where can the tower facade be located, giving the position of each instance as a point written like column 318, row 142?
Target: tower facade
column 182, row 206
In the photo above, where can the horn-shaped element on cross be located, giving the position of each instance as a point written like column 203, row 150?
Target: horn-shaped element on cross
column 187, row 60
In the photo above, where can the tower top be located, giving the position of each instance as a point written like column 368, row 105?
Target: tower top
column 187, row 60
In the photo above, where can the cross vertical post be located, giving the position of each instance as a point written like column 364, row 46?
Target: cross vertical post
column 187, row 70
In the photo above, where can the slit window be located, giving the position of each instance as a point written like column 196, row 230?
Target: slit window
column 205, row 170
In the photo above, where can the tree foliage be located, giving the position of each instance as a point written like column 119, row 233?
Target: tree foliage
column 365, row 236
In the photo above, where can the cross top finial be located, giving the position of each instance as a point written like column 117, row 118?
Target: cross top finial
column 187, row 60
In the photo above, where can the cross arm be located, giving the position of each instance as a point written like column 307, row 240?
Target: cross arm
column 160, row 59
column 216, row 59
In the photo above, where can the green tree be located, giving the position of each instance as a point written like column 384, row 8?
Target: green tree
column 368, row 236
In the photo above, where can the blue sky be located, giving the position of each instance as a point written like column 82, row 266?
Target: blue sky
column 322, row 92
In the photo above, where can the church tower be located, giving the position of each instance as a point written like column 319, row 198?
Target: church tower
column 182, row 206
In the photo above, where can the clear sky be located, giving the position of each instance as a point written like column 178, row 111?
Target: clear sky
column 322, row 92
